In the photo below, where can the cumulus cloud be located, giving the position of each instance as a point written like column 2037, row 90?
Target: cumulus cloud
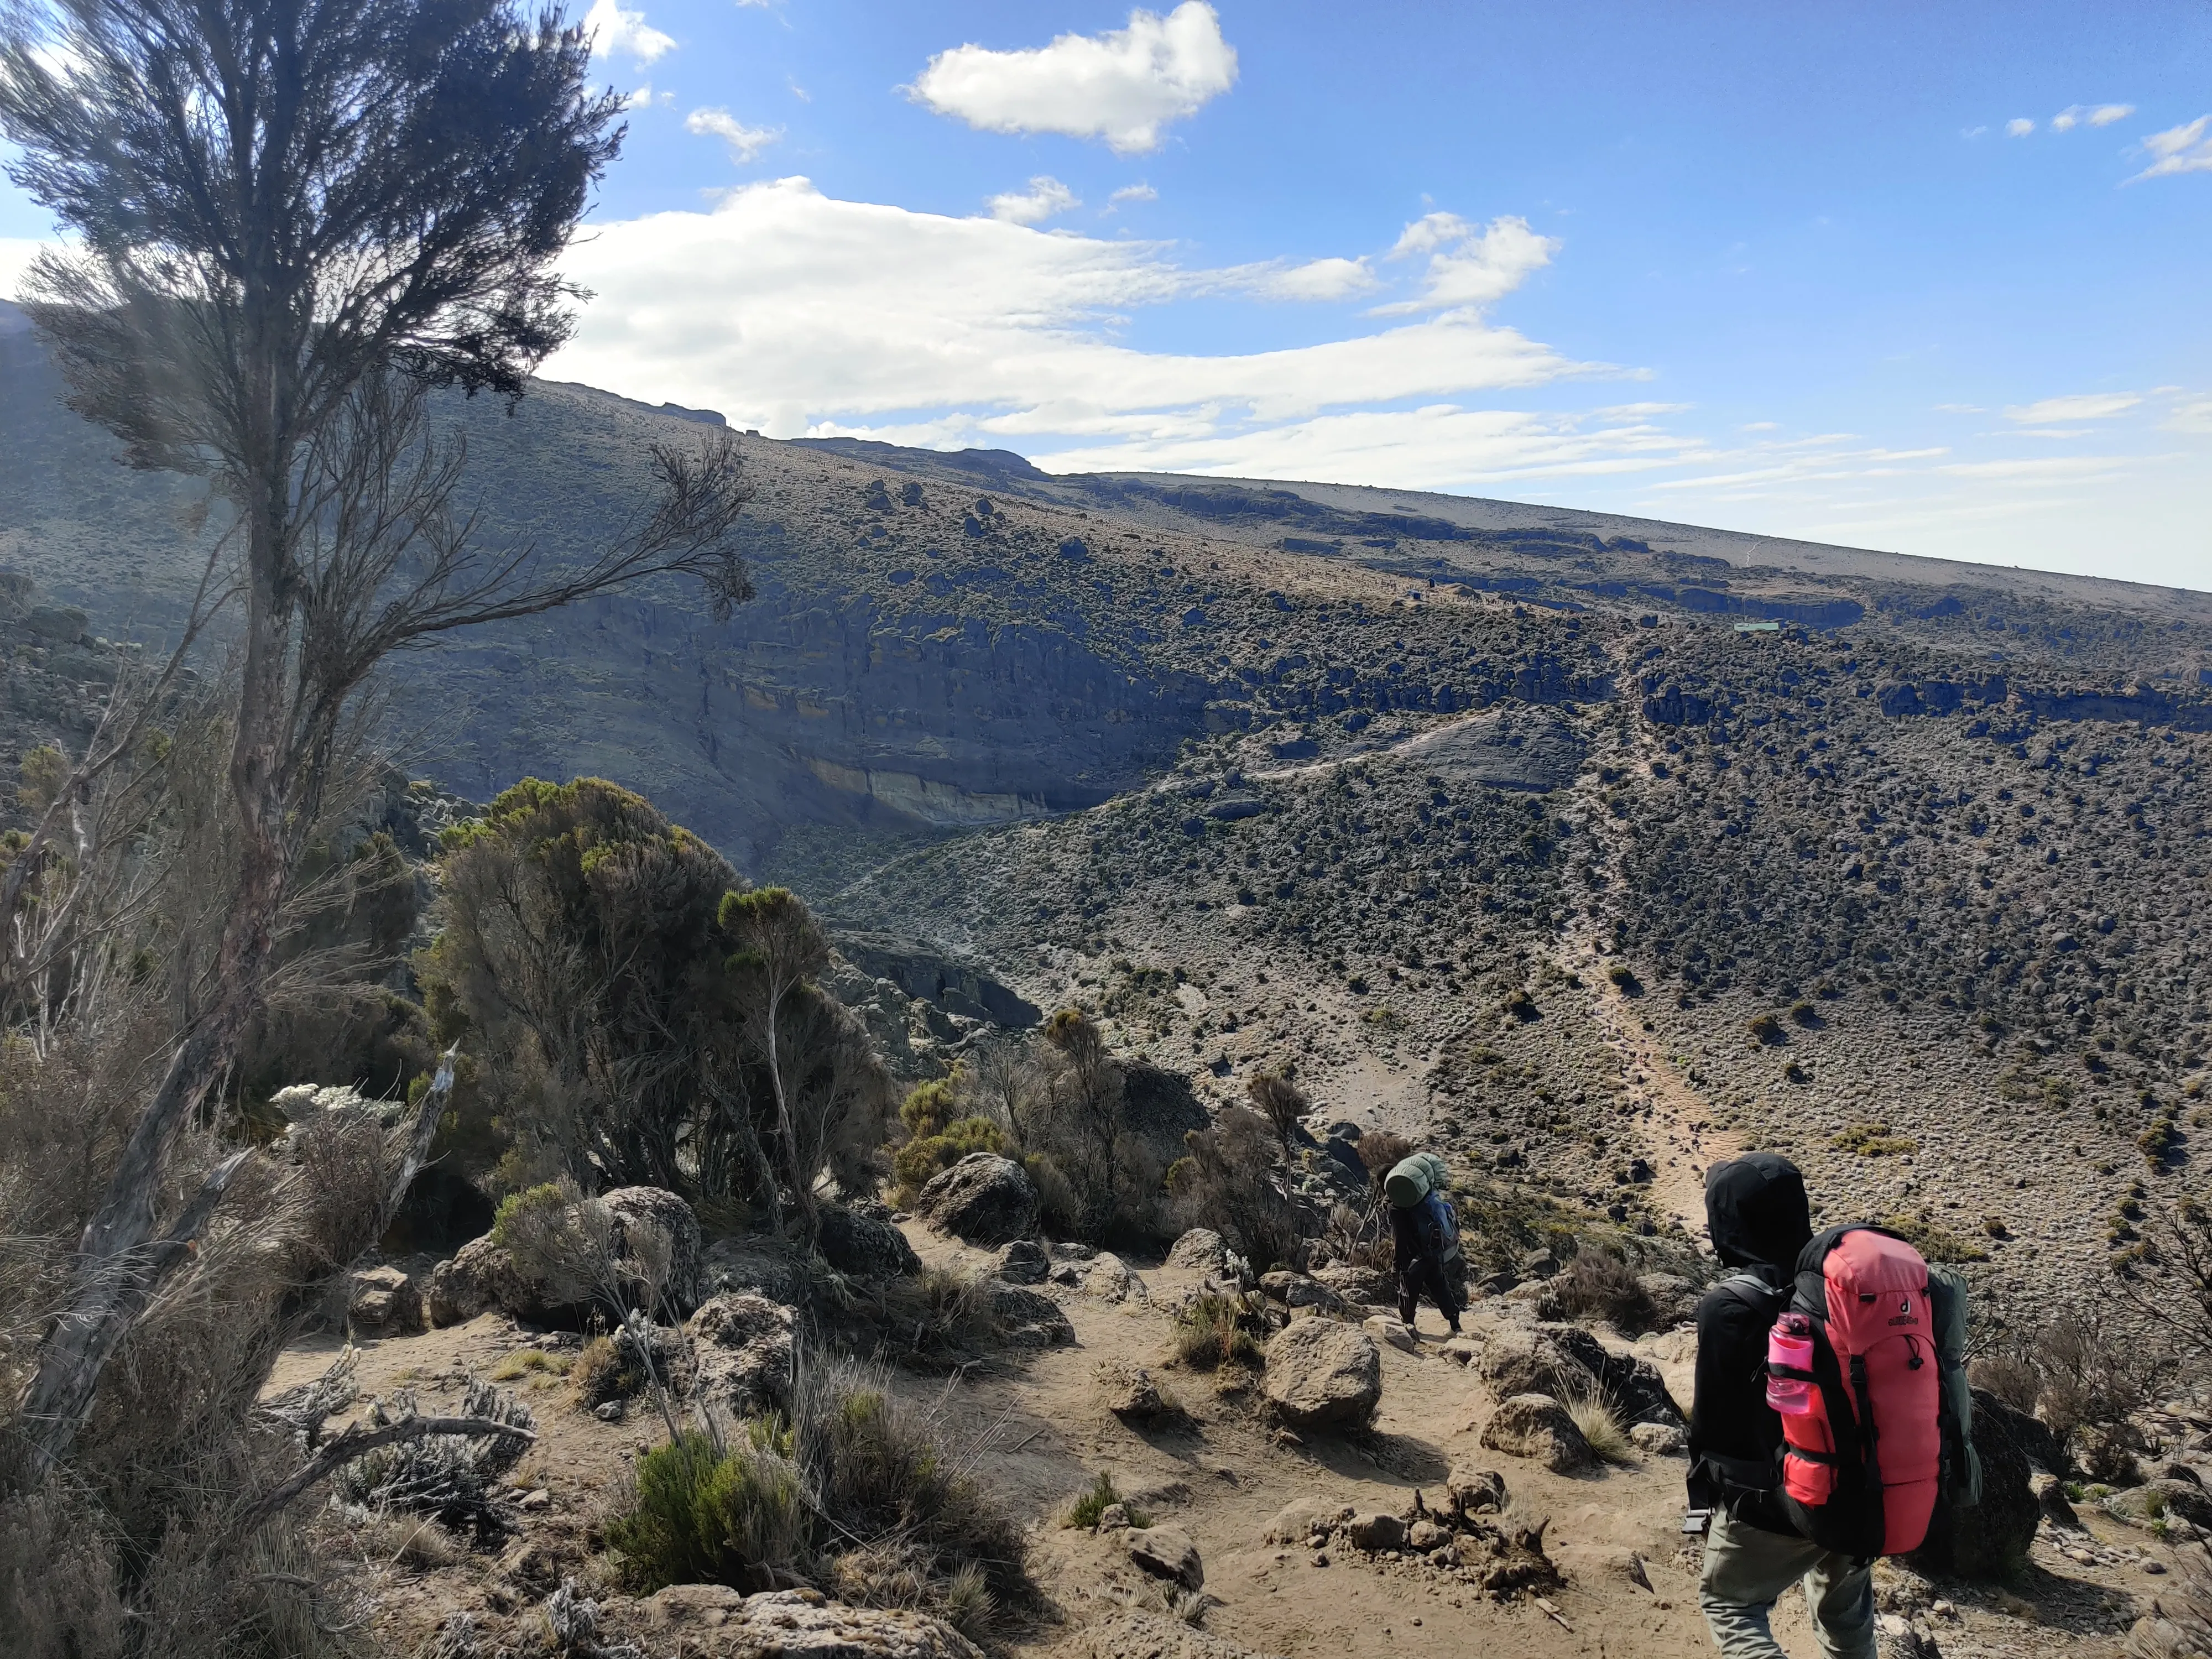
column 1045, row 197
column 1317, row 279
column 613, row 30
column 2019, row 127
column 1137, row 192
column 1468, row 269
column 2090, row 115
column 2190, row 414
column 2082, row 406
column 1123, row 86
column 2178, row 149
column 745, row 141
column 792, row 311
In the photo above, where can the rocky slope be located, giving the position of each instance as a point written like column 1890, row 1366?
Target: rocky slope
column 1589, row 846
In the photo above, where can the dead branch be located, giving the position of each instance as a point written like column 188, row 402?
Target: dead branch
column 353, row 1442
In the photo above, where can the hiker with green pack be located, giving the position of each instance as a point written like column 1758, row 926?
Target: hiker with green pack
column 1425, row 1236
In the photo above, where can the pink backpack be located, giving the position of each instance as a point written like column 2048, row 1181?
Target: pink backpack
column 1863, row 1461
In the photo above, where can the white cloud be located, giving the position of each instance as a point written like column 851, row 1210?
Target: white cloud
column 638, row 99
column 2082, row 406
column 2019, row 127
column 1960, row 409
column 1469, row 269
column 612, row 30
column 1122, row 85
column 789, row 310
column 745, row 141
column 1045, row 197
column 1972, row 132
column 1138, row 192
column 2194, row 415
column 1317, row 279
column 2090, row 115
column 2178, row 149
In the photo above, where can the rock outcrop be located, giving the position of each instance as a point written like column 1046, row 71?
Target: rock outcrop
column 1537, row 1426
column 984, row 1199
column 744, row 1350
column 864, row 1247
column 1990, row 1539
column 1321, row 1373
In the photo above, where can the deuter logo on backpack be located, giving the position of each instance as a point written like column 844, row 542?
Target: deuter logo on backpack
column 1855, row 1361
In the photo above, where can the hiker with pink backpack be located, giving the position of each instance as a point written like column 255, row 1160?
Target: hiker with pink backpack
column 1831, row 1412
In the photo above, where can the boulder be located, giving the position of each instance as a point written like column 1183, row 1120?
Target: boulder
column 1367, row 1286
column 1022, row 1262
column 1474, row 1490
column 984, row 1199
column 383, row 1302
column 1295, row 1290
column 1110, row 1280
column 480, row 1276
column 1025, row 1318
column 1383, row 1328
column 1425, row 1536
column 1553, row 1359
column 1990, row 1539
column 1320, row 1372
column 1304, row 1518
column 1376, row 1532
column 1659, row 1439
column 1130, row 1393
column 693, row 1608
column 865, row 1248
column 1167, row 1554
column 2155, row 1500
column 743, row 1349
column 1537, row 1426
column 2050, row 1498
column 637, row 1209
column 1673, row 1299
column 1200, row 1249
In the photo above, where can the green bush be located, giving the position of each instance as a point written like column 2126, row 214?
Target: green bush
column 1211, row 1332
column 707, row 1516
column 918, row 1160
column 518, row 1210
column 1102, row 1496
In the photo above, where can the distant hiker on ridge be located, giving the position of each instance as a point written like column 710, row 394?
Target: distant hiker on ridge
column 1425, row 1236
column 1821, row 1434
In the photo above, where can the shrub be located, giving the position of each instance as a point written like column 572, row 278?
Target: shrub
column 1600, row 1425
column 1765, row 1029
column 602, row 1373
column 1211, row 1330
column 1624, row 978
column 1873, row 1140
column 1280, row 1101
column 1084, row 1513
column 1936, row 1243
column 915, row 1163
column 1233, row 1182
column 705, row 1514
column 1804, row 1014
column 1601, row 1284
column 1381, row 1151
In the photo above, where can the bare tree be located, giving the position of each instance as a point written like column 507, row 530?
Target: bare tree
column 1280, row 1101
column 780, row 948
column 296, row 217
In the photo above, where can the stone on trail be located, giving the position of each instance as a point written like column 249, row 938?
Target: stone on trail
column 1301, row 1518
column 1129, row 1392
column 1027, row 1318
column 1299, row 1290
column 384, row 1302
column 864, row 1247
column 1369, row 1286
column 1320, row 1372
column 1537, row 1426
column 1658, row 1439
column 1202, row 1248
column 1426, row 1535
column 1474, row 1490
column 1166, row 1552
column 743, row 1350
column 984, row 1199
column 1395, row 1332
column 1022, row 1262
column 1376, row 1532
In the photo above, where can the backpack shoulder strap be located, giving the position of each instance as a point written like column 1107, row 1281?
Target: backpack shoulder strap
column 1755, row 1293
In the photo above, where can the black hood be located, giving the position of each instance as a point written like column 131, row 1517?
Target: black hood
column 1756, row 1212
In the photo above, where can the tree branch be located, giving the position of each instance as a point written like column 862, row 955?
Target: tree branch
column 353, row 1444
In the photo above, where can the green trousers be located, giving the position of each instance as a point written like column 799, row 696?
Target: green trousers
column 1746, row 1570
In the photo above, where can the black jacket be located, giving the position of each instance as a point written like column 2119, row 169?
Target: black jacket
column 1759, row 1220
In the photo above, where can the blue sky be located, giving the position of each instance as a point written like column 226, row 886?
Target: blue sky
column 1785, row 268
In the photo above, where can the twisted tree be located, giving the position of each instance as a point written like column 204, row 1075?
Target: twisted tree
column 295, row 219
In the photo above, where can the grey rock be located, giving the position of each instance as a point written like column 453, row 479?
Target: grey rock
column 984, row 1199
column 744, row 1349
column 1368, row 1287
column 1299, row 1290
column 2051, row 1498
column 1376, row 1532
column 1658, row 1439
column 1425, row 1536
column 383, row 1302
column 1537, row 1426
column 1474, row 1490
column 865, row 1247
column 1166, row 1552
column 1990, row 1539
column 634, row 1211
column 1320, row 1372
column 1130, row 1392
column 1395, row 1332
column 1304, row 1518
column 1202, row 1248
column 1022, row 1262
column 1027, row 1318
